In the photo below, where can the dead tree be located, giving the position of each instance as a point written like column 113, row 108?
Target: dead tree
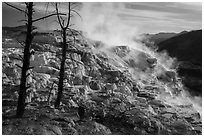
column 28, row 11
column 65, row 26
column 26, row 62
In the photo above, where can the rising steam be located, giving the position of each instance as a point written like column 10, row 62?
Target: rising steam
column 102, row 22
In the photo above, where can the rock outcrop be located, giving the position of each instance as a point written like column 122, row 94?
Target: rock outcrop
column 126, row 97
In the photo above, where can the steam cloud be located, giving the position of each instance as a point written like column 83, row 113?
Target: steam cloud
column 102, row 22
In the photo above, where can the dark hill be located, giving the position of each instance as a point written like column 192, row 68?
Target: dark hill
column 19, row 32
column 159, row 37
column 187, row 48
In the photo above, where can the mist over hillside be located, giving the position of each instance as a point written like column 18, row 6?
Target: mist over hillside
column 187, row 48
column 113, row 81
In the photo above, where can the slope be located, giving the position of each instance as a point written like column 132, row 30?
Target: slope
column 123, row 90
column 187, row 48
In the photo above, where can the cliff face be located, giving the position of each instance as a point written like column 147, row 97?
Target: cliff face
column 117, row 90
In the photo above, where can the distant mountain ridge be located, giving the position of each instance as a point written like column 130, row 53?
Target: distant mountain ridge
column 162, row 36
column 159, row 37
column 186, row 46
column 19, row 33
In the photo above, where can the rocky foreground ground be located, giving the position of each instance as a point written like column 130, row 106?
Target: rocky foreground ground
column 120, row 89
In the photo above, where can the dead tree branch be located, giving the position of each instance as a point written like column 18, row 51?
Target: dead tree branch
column 21, row 10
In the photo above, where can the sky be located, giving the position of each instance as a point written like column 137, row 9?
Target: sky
column 143, row 17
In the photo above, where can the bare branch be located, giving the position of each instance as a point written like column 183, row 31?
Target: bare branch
column 22, row 20
column 62, row 20
column 76, row 5
column 68, row 19
column 54, row 14
column 76, row 61
column 18, row 66
column 77, row 13
column 71, row 25
column 27, row 87
column 47, row 5
column 31, row 67
column 26, row 3
column 21, row 10
column 27, row 75
column 22, row 44
column 58, row 16
column 20, row 57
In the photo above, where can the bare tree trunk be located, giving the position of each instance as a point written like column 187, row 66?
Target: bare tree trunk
column 27, row 53
column 61, row 79
column 26, row 63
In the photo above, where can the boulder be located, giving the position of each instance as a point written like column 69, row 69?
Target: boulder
column 168, row 76
column 94, row 85
column 92, row 128
column 152, row 62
